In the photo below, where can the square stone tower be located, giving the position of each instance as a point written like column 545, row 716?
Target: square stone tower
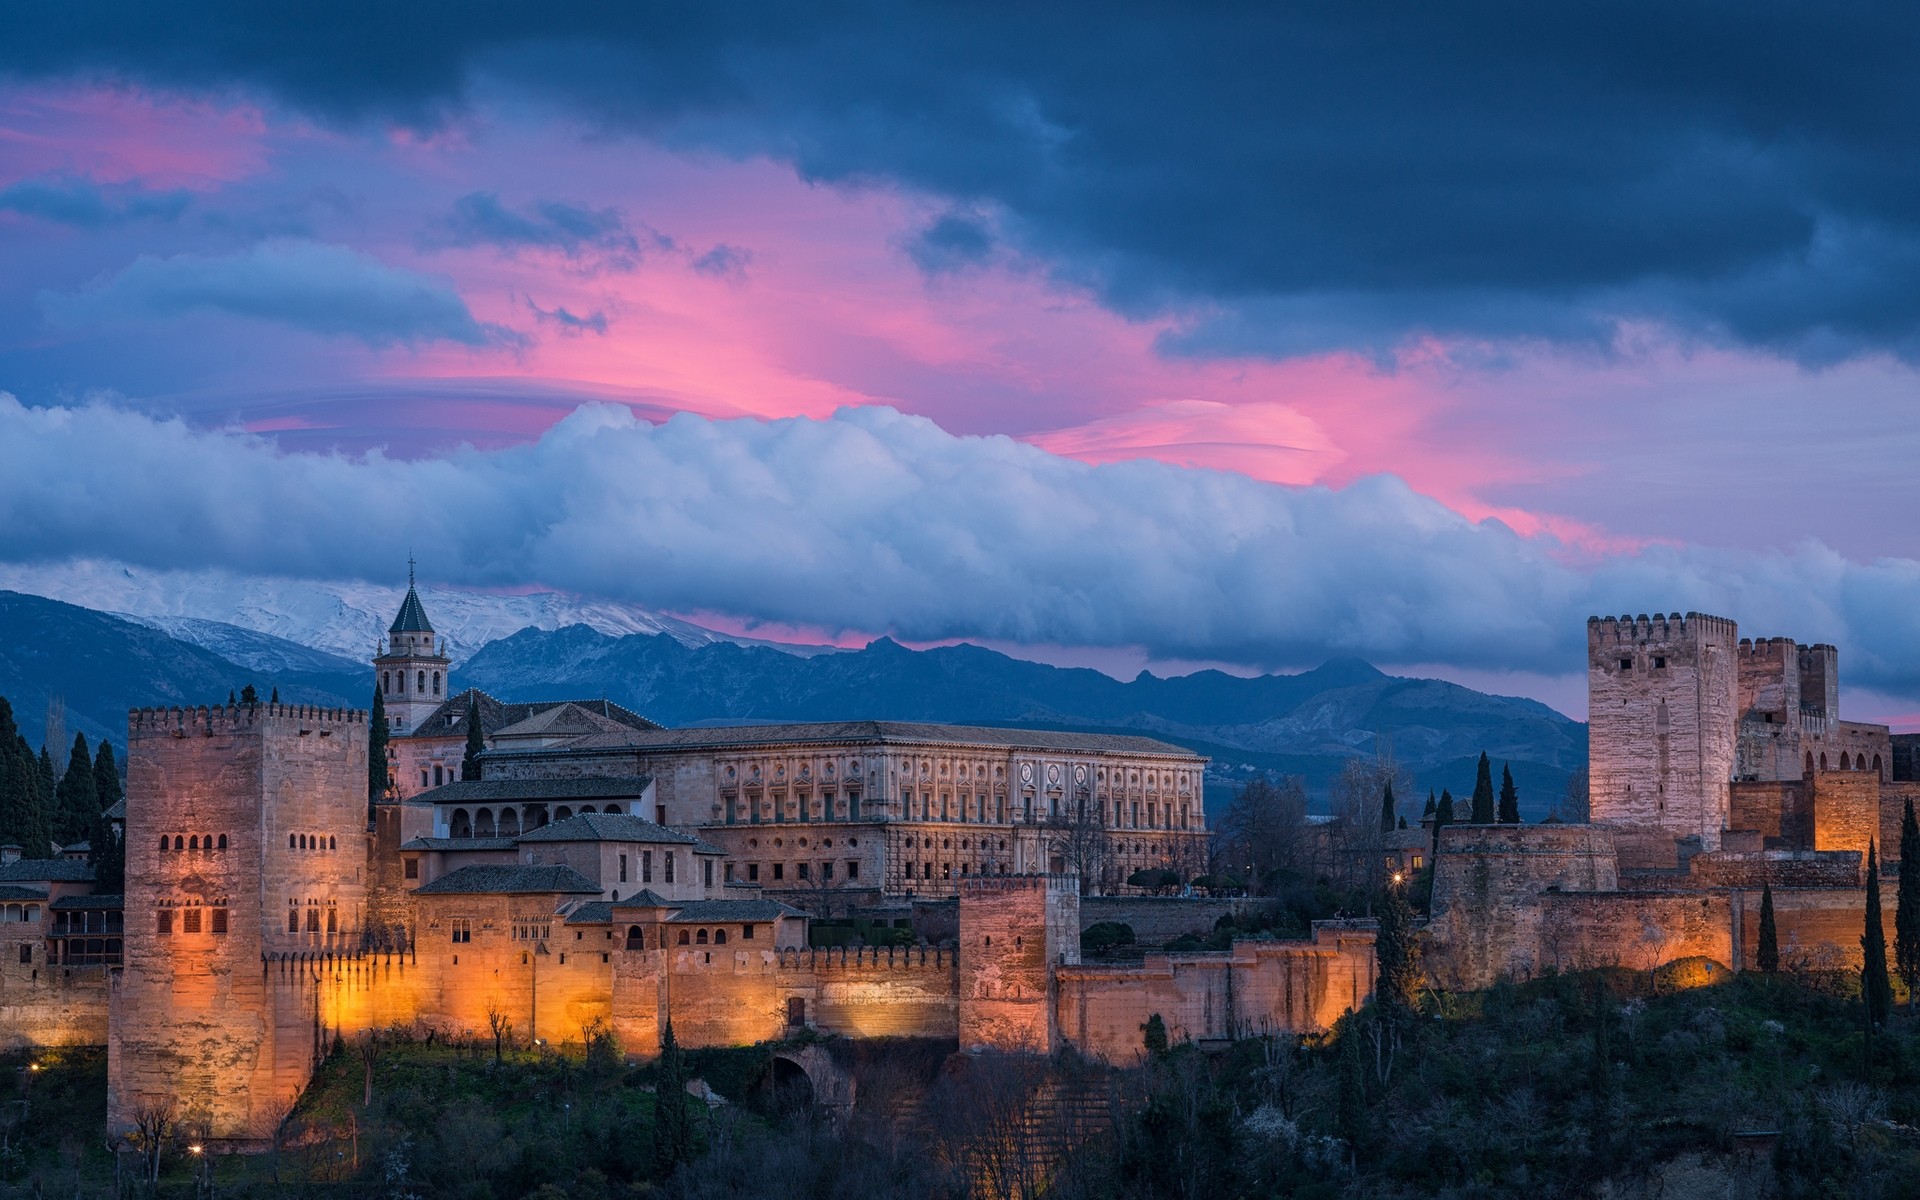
column 246, row 842
column 1662, row 709
column 1013, row 930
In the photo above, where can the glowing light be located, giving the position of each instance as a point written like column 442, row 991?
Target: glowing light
column 1399, row 878
column 196, row 1148
column 33, row 1066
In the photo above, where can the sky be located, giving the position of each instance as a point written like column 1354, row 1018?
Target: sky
column 1133, row 334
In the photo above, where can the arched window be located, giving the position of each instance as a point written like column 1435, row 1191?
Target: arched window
column 1809, row 762
column 303, row 841
column 386, row 682
column 459, row 826
column 685, row 937
column 614, row 809
column 700, row 938
column 163, row 844
column 1876, row 764
column 423, row 778
column 438, row 778
column 193, row 843
column 333, row 843
column 293, row 920
column 719, row 937
column 1859, row 762
column 421, row 684
column 179, row 843
column 290, row 841
column 436, row 683
column 333, row 919
column 313, row 920
column 562, row 813
column 636, row 940
column 509, row 822
column 483, row 823
column 1823, row 760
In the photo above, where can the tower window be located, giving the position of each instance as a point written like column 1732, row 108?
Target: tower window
column 1659, row 662
column 1626, row 664
column 421, row 685
column 436, row 683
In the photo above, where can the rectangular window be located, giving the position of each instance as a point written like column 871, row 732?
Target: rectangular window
column 163, row 922
column 26, row 952
column 623, row 868
column 805, row 871
column 753, row 872
column 190, row 921
column 666, row 858
column 646, row 866
column 707, row 872
column 746, row 933
column 313, row 920
column 293, row 920
column 826, row 871
column 729, row 875
column 413, row 868
column 462, row 930
column 853, row 806
column 659, row 814
column 219, row 920
column 853, row 870
column 779, row 870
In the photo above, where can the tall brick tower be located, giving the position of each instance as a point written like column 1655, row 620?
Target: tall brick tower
column 412, row 670
column 1662, row 707
column 1013, row 930
column 246, row 839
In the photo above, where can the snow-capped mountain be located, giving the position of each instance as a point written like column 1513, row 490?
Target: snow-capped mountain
column 345, row 619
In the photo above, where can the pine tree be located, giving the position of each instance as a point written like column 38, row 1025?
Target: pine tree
column 1768, row 957
column 378, row 733
column 75, row 804
column 1387, row 814
column 1509, row 797
column 1906, row 907
column 249, row 695
column 672, row 1127
column 476, row 739
column 1874, row 984
column 1397, row 987
column 1483, row 793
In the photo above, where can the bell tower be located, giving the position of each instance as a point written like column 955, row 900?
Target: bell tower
column 411, row 670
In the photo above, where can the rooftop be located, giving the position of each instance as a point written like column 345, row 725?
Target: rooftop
column 88, row 903
column 733, row 910
column 14, row 891
column 49, row 870
column 608, row 827
column 520, row 791
column 450, row 719
column 440, row 843
column 412, row 617
column 873, row 732
column 496, row 879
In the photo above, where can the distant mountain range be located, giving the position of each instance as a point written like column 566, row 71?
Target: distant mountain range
column 1307, row 724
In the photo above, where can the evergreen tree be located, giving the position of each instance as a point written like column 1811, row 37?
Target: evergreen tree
column 107, row 854
column 378, row 733
column 231, row 698
column 1906, row 908
column 249, row 695
column 107, row 791
column 1768, row 957
column 1153, row 1036
column 1442, row 817
column 1387, row 815
column 76, row 804
column 1403, row 823
column 1351, row 1113
column 36, row 830
column 476, row 739
column 275, row 698
column 1427, row 813
column 1509, row 797
column 1397, row 987
column 1874, row 984
column 672, row 1126
column 1483, row 793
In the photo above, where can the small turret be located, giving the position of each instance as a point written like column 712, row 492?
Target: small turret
column 412, row 673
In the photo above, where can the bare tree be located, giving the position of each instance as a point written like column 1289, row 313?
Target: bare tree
column 155, row 1120
column 1359, row 842
column 1264, row 830
column 1078, row 838
column 1574, row 806
column 501, row 1025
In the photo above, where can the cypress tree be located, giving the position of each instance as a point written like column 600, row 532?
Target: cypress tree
column 1768, row 957
column 1509, row 797
column 231, row 698
column 76, row 804
column 249, row 695
column 476, row 739
column 107, row 854
column 672, row 1127
column 1483, row 793
column 1427, row 813
column 1874, row 984
column 107, row 791
column 1906, row 909
column 275, row 698
column 1153, row 1036
column 1442, row 817
column 36, row 829
column 1387, row 815
column 1397, row 986
column 378, row 733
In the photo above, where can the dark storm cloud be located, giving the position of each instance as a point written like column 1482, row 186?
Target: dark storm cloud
column 480, row 219
column 1319, row 175
column 86, row 205
column 950, row 243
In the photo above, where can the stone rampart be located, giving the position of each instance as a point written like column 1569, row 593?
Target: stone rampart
column 1258, row 987
column 1846, row 810
column 1635, row 930
column 1777, row 809
column 1159, row 919
column 43, row 1005
column 1487, row 885
column 1780, row 868
column 1013, row 931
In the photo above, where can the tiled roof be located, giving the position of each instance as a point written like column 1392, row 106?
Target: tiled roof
column 562, row 720
column 118, row 812
column 502, row 878
column 593, row 912
column 873, row 732
column 607, row 827
column 450, row 719
column 51, row 870
column 710, row 911
column 647, row 898
column 14, row 891
column 412, row 617
column 520, row 791
column 88, row 903
column 440, row 843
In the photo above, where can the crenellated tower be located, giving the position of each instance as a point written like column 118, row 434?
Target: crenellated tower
column 411, row 670
column 1663, row 695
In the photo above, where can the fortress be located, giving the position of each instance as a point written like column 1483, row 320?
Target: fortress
column 605, row 872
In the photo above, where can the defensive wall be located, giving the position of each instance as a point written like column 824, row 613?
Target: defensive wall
column 43, row 1004
column 1487, row 887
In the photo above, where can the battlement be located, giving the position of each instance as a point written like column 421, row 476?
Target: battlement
column 1660, row 627
column 1773, row 649
column 868, row 958
column 981, row 885
column 209, row 720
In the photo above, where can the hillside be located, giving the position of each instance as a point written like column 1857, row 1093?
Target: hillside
column 104, row 665
column 1307, row 724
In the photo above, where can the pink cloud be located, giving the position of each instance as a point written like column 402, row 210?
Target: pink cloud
column 124, row 135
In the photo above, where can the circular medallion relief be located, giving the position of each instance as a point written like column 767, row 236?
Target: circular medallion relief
column 1026, row 772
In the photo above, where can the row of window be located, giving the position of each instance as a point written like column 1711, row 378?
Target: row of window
column 191, row 920
column 512, row 822
column 303, row 841
column 780, row 810
column 803, row 872
column 666, row 867
column 313, row 919
column 389, row 680
column 192, row 841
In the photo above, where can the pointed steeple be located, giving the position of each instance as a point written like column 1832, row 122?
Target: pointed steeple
column 411, row 672
column 413, row 615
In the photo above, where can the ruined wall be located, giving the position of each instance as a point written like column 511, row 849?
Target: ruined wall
column 1662, row 709
column 1159, row 919
column 43, row 1005
column 1012, row 931
column 1264, row 987
column 1636, row 930
column 1846, row 810
column 1487, row 884
column 1780, row 868
column 195, row 1021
